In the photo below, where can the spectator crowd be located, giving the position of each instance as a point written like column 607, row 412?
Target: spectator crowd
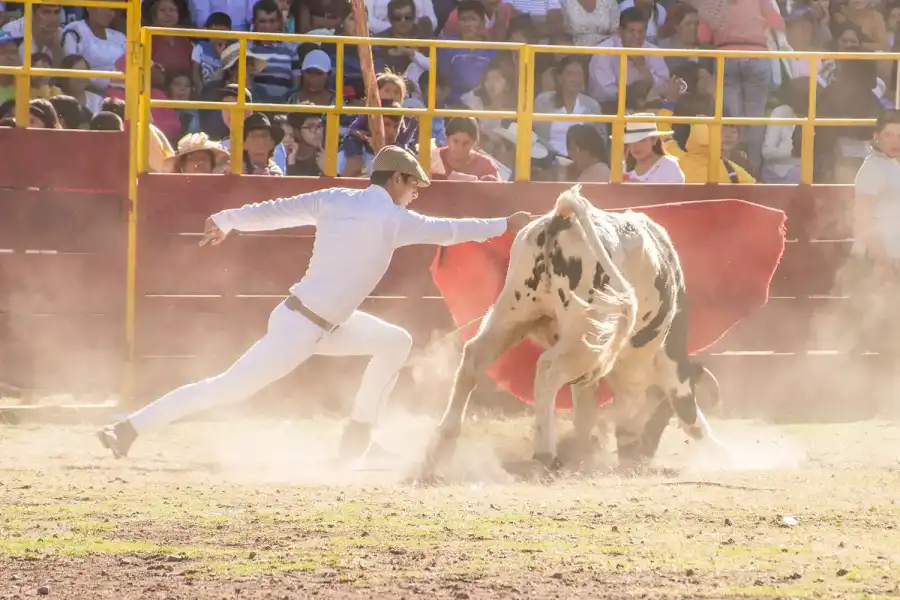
column 480, row 149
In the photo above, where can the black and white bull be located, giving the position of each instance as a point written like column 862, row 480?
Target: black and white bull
column 604, row 294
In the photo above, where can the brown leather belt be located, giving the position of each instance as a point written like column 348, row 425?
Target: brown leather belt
column 293, row 303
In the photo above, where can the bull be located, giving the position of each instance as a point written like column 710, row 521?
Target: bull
column 604, row 295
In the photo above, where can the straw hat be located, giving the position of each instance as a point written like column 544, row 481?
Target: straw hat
column 396, row 159
column 197, row 142
column 232, row 53
column 636, row 131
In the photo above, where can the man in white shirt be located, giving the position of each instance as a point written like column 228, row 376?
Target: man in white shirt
column 603, row 69
column 46, row 32
column 357, row 232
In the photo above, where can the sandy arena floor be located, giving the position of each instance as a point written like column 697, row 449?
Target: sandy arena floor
column 246, row 509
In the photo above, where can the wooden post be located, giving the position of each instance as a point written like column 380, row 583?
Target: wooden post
column 367, row 65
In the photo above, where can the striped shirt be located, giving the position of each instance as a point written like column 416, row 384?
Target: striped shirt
column 274, row 83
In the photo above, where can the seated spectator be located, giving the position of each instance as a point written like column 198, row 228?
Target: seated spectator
column 679, row 32
column 106, row 121
column 410, row 61
column 9, row 57
column 459, row 160
column 276, row 80
column 355, row 158
column 567, row 99
column 820, row 8
column 206, row 55
column 465, row 68
column 745, row 25
column 211, row 121
column 646, row 160
column 870, row 22
column 604, row 69
column 782, row 145
column 77, row 87
column 160, row 148
column 847, row 38
column 690, row 145
column 734, row 149
column 169, row 53
column 313, row 86
column 589, row 22
column 379, row 21
column 179, row 86
column 240, row 14
column 546, row 15
column 72, row 114
column 391, row 89
column 504, row 154
column 588, row 153
column 261, row 137
column 40, row 86
column 839, row 151
column 229, row 94
column 306, row 156
column 498, row 15
column 42, row 115
column 497, row 91
column 46, row 29
column 165, row 118
column 196, row 154
column 654, row 13
column 97, row 43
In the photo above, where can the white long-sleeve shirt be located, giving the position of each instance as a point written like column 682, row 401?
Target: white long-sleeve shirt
column 357, row 232
column 779, row 143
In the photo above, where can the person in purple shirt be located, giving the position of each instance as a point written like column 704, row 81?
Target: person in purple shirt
column 464, row 68
column 391, row 88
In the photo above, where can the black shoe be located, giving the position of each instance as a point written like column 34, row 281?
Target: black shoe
column 118, row 438
column 355, row 442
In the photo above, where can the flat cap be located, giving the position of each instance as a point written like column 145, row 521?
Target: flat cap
column 396, row 159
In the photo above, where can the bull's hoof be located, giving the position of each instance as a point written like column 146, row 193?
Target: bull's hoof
column 551, row 462
column 441, row 449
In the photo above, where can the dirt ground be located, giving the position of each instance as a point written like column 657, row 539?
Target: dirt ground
column 248, row 509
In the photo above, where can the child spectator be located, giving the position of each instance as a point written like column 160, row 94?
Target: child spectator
column 355, row 158
column 40, row 86
column 77, row 87
column 206, row 55
column 498, row 15
column 106, row 121
column 497, row 91
column 42, row 115
column 72, row 115
column 239, row 13
column 180, row 87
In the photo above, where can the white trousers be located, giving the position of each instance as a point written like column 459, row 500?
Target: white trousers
column 290, row 340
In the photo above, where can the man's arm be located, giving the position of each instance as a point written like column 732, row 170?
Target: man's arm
column 414, row 228
column 280, row 213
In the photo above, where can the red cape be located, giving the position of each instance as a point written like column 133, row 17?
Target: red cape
column 729, row 250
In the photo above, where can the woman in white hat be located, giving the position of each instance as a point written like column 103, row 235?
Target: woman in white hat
column 645, row 159
column 196, row 154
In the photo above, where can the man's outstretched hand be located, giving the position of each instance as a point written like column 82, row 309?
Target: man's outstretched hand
column 212, row 234
column 518, row 220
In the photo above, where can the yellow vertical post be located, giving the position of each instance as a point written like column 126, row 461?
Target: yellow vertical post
column 525, row 105
column 807, row 148
column 617, row 150
column 715, row 131
column 23, row 80
column 236, row 134
column 333, row 119
column 426, row 123
column 145, row 85
column 132, row 112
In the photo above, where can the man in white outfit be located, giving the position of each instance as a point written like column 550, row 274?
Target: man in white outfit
column 357, row 232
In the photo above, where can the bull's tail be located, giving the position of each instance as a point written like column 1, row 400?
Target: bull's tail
column 618, row 306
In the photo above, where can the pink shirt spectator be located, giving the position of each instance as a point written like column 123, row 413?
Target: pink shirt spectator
column 479, row 165
column 173, row 53
column 743, row 25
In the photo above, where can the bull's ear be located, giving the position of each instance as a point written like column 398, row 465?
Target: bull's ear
column 576, row 190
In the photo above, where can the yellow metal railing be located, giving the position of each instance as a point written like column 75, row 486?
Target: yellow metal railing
column 525, row 102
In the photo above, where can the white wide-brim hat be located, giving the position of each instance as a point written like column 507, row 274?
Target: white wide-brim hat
column 636, row 131
column 510, row 133
column 197, row 142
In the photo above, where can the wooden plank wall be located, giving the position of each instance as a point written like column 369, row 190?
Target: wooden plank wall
column 63, row 224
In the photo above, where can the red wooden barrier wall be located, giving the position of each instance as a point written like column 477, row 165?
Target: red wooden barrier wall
column 62, row 313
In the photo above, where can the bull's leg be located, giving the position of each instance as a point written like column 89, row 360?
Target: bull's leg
column 556, row 367
column 633, row 410
column 496, row 336
column 584, row 416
